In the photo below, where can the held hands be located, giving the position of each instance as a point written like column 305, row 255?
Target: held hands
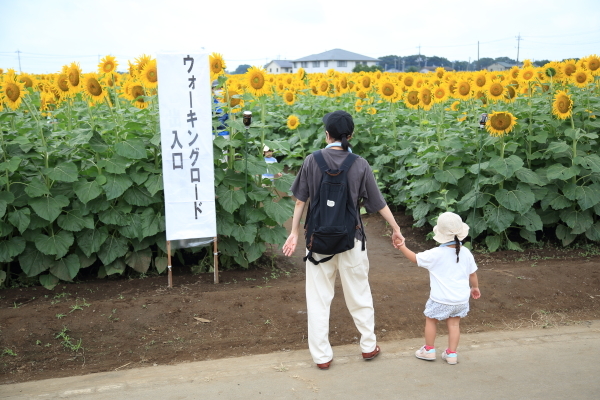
column 397, row 239
column 290, row 244
column 475, row 293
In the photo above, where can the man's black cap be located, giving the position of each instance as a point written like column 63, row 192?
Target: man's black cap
column 338, row 123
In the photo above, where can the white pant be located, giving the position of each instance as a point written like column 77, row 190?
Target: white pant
column 320, row 284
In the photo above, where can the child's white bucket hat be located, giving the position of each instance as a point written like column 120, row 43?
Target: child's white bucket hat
column 448, row 226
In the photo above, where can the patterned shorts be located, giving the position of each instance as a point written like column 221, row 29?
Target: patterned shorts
column 440, row 311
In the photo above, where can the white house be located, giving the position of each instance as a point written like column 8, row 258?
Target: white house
column 499, row 66
column 279, row 67
column 337, row 59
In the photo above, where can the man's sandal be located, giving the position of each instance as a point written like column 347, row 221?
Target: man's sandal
column 371, row 355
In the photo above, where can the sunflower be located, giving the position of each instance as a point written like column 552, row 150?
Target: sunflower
column 149, row 75
column 514, row 72
column 569, row 67
column 107, row 65
column 358, row 106
column 61, row 83
column 133, row 90
column 232, row 97
column 323, row 86
column 582, row 78
column 495, row 90
column 592, row 64
column 73, row 72
column 500, row 123
column 13, row 90
column 140, row 63
column 439, row 72
column 527, row 74
column 293, row 122
column 361, row 94
column 562, row 106
column 256, row 79
column 452, row 85
column 111, row 80
column 28, row 80
column 479, row 80
column 408, row 80
column 365, row 81
column 454, row 106
column 463, row 90
column 411, row 99
column 217, row 65
column 462, row 117
column 511, row 91
column 92, row 89
column 301, row 73
column 343, row 81
column 387, row 90
column 289, row 98
column 426, row 98
column 441, row 93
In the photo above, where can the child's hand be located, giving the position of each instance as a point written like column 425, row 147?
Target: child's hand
column 475, row 293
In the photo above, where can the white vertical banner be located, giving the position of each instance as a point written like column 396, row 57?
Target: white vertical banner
column 185, row 103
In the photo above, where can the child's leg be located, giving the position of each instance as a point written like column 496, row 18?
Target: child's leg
column 430, row 331
column 453, row 332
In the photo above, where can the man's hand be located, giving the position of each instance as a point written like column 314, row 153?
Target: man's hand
column 397, row 239
column 290, row 244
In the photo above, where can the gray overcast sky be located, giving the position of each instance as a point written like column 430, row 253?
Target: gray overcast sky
column 52, row 33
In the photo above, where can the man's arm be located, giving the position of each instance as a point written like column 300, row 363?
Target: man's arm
column 397, row 238
column 290, row 244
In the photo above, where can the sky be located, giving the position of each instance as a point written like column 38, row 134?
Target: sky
column 44, row 35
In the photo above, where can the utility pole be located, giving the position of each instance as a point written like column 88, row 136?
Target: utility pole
column 519, row 38
column 19, row 56
column 478, row 64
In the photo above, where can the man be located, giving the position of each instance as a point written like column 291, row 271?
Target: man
column 352, row 264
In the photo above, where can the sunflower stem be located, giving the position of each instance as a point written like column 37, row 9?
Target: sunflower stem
column 2, row 145
column 41, row 132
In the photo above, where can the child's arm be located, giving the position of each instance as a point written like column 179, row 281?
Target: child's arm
column 408, row 253
column 474, row 283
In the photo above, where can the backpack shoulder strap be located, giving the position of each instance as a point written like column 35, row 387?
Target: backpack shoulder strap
column 320, row 161
column 349, row 161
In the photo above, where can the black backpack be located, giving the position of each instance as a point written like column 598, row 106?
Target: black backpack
column 331, row 221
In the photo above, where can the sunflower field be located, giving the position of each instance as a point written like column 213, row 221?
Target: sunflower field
column 80, row 161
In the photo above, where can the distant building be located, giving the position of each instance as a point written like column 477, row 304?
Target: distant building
column 337, row 59
column 279, row 67
column 500, row 66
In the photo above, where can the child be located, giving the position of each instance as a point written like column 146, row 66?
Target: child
column 450, row 279
column 269, row 159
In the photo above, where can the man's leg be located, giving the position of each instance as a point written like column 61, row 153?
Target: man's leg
column 320, row 285
column 354, row 273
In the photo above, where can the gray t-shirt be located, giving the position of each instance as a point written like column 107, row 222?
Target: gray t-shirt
column 361, row 181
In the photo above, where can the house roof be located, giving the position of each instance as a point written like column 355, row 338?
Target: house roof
column 335, row 55
column 283, row 63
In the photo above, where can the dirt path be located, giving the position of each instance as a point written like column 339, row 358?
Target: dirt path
column 131, row 323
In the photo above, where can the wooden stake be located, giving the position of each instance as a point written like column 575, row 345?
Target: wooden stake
column 170, row 273
column 216, row 260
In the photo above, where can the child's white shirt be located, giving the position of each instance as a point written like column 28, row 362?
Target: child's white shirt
column 449, row 280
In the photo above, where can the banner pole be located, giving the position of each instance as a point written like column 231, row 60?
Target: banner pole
column 216, row 260
column 170, row 273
